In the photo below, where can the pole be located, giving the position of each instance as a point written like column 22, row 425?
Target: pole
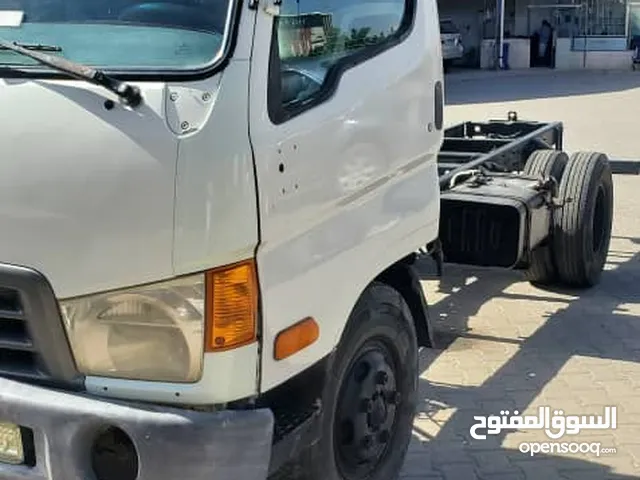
column 500, row 12
column 584, row 37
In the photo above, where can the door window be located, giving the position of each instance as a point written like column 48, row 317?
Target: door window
column 315, row 41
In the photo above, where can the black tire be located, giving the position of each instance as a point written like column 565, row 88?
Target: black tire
column 582, row 226
column 544, row 163
column 381, row 326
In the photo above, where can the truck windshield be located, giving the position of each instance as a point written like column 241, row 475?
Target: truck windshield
column 118, row 34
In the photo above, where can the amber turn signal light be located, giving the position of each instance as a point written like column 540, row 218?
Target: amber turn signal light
column 231, row 306
column 296, row 338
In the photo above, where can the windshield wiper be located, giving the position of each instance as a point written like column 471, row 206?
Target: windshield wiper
column 36, row 46
column 129, row 94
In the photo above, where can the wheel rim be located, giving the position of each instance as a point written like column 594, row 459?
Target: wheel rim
column 598, row 226
column 366, row 411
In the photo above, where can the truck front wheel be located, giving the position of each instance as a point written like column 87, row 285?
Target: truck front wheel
column 370, row 395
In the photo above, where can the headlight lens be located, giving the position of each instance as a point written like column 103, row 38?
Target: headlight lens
column 153, row 333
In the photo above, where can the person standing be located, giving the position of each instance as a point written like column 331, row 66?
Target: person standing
column 544, row 35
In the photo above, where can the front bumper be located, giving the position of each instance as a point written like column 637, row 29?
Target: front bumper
column 171, row 444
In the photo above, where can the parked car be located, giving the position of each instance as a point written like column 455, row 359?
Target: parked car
column 451, row 38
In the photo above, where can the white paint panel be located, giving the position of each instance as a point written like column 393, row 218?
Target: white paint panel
column 357, row 190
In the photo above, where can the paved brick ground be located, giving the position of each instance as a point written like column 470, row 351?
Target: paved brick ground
column 504, row 344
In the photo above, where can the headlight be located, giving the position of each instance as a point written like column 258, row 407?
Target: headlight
column 154, row 332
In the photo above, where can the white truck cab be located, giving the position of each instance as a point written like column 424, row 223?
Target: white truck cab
column 208, row 212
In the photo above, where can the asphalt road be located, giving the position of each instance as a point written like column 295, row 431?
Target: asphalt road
column 505, row 345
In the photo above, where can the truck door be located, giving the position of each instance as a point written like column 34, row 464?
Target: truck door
column 345, row 137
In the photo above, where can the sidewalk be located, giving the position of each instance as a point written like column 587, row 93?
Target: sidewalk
column 462, row 75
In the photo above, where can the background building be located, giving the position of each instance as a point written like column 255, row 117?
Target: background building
column 587, row 33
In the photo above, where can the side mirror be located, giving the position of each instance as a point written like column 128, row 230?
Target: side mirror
column 293, row 84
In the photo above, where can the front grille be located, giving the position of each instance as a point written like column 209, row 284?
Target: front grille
column 17, row 355
column 33, row 343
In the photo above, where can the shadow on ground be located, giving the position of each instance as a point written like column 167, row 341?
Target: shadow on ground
column 592, row 323
column 473, row 88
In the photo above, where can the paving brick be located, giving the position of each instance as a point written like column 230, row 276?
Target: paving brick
column 628, row 437
column 459, row 472
column 630, row 407
column 493, row 463
column 434, row 476
column 570, row 405
column 461, row 399
column 417, row 444
column 520, row 381
column 580, row 382
column 449, row 453
column 537, row 470
column 595, row 473
column 622, row 461
column 619, row 386
column 512, row 475
column 494, row 407
column 417, row 464
column 491, row 443
column 631, row 451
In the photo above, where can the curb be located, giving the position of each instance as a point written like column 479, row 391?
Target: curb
column 475, row 75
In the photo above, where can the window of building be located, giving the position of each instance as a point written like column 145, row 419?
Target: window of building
column 316, row 40
column 606, row 17
column 571, row 18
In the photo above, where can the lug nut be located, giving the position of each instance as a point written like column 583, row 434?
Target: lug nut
column 394, row 398
column 381, row 377
column 366, row 406
column 367, row 441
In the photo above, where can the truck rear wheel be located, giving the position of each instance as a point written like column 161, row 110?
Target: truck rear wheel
column 582, row 226
column 544, row 163
column 370, row 396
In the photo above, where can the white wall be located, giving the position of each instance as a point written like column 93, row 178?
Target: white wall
column 567, row 59
column 518, row 54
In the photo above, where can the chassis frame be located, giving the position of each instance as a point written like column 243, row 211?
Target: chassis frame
column 496, row 145
column 492, row 215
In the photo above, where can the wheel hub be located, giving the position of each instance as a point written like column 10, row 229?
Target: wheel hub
column 366, row 411
column 378, row 415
